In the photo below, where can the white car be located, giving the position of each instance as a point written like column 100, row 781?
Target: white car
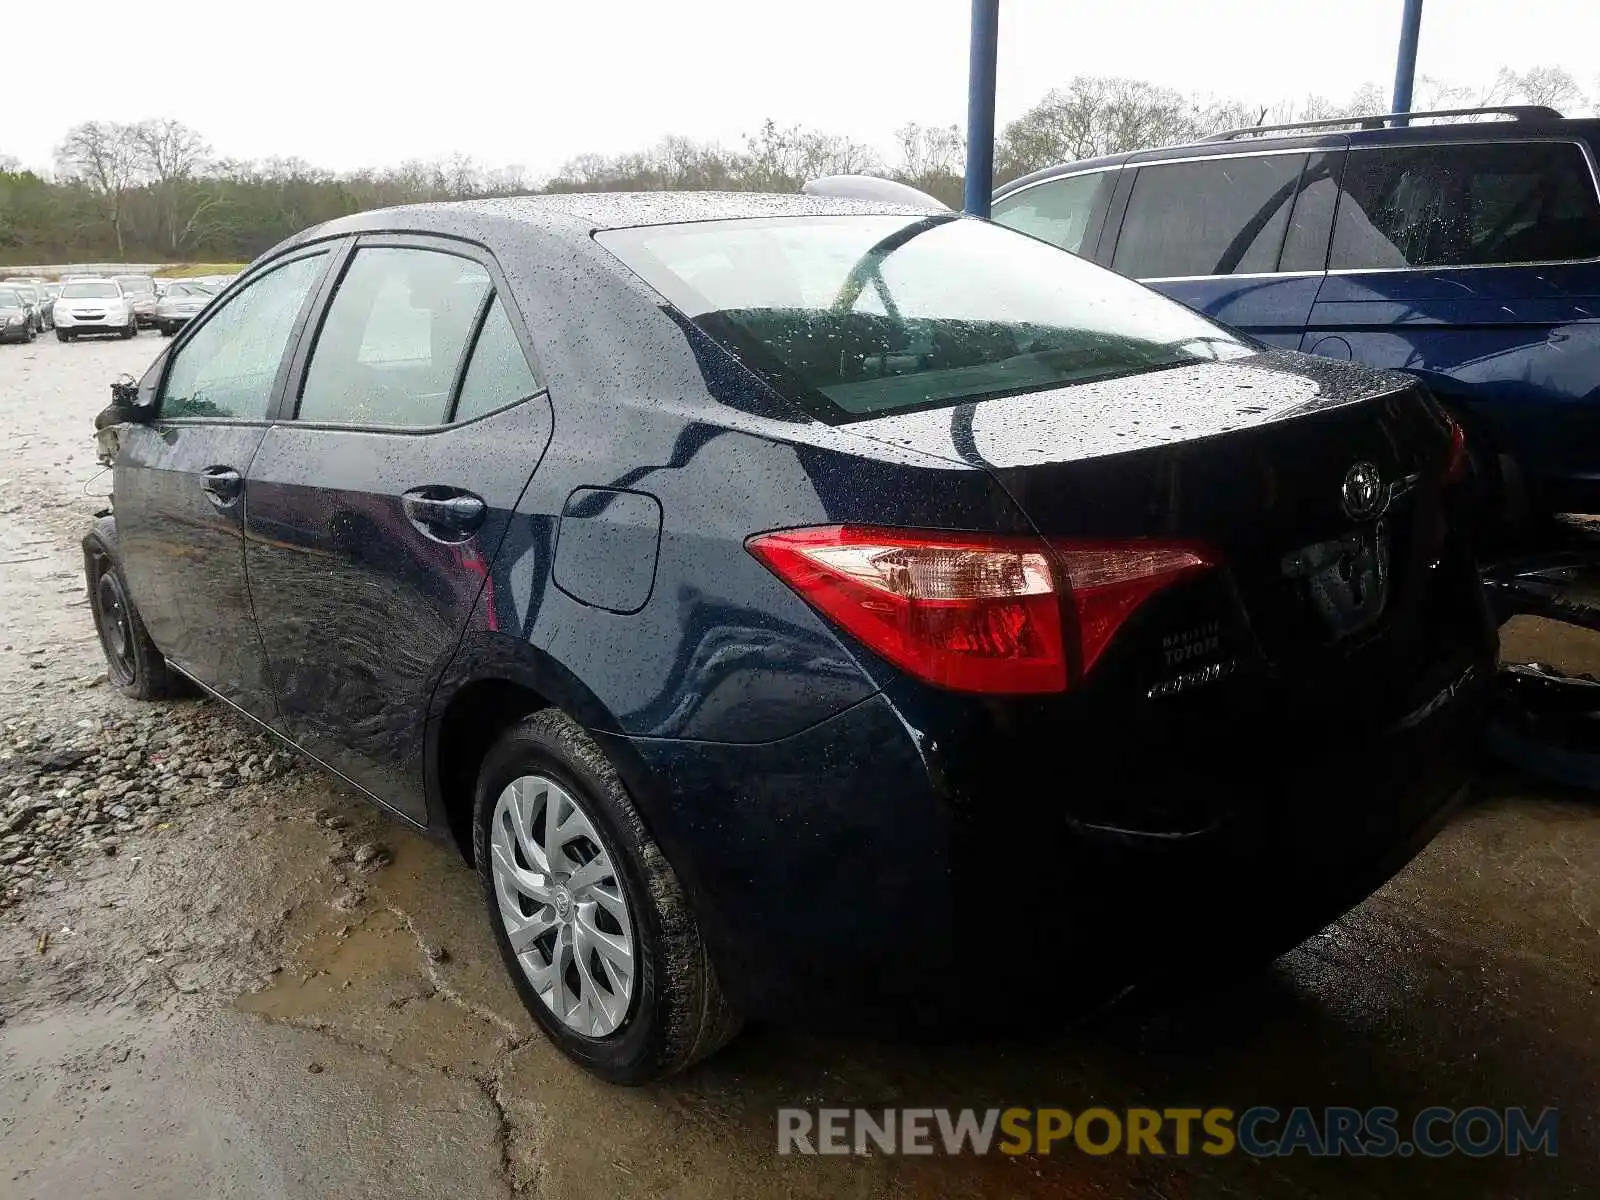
column 93, row 306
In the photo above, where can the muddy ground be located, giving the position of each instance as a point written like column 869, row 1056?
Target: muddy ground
column 221, row 977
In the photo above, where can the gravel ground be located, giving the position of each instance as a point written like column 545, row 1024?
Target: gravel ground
column 220, row 976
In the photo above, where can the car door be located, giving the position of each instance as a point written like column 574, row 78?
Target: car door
column 1210, row 232
column 375, row 506
column 178, row 482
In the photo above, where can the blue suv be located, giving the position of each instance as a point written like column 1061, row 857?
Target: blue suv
column 1467, row 253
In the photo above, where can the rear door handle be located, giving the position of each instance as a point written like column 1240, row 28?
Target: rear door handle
column 222, row 485
column 444, row 514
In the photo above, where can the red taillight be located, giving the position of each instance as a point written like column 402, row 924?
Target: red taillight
column 1106, row 581
column 1456, row 464
column 974, row 612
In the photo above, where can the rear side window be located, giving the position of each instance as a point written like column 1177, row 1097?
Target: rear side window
column 1208, row 217
column 1494, row 203
column 394, row 337
column 1059, row 212
column 498, row 372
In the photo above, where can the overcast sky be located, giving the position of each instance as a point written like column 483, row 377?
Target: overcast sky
column 348, row 83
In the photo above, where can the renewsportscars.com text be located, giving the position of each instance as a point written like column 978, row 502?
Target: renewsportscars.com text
column 1261, row 1132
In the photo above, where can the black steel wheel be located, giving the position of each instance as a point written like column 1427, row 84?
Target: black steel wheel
column 134, row 665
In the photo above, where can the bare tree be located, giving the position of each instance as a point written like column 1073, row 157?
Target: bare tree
column 104, row 156
column 171, row 154
column 1551, row 86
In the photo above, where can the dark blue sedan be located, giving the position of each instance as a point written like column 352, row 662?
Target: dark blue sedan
column 802, row 607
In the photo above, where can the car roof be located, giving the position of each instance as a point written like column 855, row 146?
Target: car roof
column 586, row 212
column 1584, row 128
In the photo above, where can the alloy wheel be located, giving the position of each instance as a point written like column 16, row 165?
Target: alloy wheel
column 563, row 905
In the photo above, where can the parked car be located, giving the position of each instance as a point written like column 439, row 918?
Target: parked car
column 44, row 304
column 16, row 317
column 32, row 297
column 798, row 606
column 52, row 293
column 1467, row 253
column 93, row 306
column 180, row 302
column 141, row 293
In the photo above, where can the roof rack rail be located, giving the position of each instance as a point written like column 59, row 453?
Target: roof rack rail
column 1517, row 112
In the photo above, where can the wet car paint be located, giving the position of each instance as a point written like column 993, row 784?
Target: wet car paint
column 827, row 813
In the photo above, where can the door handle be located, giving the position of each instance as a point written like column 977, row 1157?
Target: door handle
column 439, row 512
column 221, row 484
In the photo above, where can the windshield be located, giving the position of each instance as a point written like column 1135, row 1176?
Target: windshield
column 10, row 298
column 871, row 314
column 90, row 291
column 189, row 289
column 136, row 283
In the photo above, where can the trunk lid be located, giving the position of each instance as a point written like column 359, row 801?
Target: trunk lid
column 1316, row 484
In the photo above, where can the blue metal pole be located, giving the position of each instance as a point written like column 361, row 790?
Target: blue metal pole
column 1405, row 67
column 980, row 105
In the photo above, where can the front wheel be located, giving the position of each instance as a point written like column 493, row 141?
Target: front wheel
column 133, row 328
column 590, row 918
column 133, row 663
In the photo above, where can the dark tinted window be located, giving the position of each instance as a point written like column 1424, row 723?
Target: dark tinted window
column 1466, row 205
column 227, row 368
column 1305, row 248
column 1058, row 212
column 395, row 333
column 1210, row 217
column 498, row 373
column 867, row 314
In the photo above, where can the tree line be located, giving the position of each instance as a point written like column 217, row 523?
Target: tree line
column 155, row 190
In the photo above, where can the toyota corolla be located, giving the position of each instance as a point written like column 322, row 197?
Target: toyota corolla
column 801, row 607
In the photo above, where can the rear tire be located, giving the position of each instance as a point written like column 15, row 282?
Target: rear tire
column 672, row 1010
column 134, row 666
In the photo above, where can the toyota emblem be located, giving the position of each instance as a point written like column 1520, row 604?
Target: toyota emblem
column 1362, row 495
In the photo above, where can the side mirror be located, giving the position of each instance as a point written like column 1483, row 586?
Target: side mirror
column 129, row 403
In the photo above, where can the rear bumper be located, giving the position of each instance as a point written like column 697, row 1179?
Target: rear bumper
column 858, row 868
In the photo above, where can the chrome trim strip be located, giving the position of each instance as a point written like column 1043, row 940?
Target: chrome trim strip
column 1240, row 275
column 1204, row 158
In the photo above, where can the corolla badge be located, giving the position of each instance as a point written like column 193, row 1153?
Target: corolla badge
column 1362, row 495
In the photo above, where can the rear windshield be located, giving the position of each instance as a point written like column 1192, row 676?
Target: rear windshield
column 870, row 314
column 90, row 291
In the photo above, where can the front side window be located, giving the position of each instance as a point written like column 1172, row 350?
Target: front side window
column 857, row 315
column 227, row 368
column 394, row 336
column 1222, row 216
column 1058, row 211
column 1494, row 203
